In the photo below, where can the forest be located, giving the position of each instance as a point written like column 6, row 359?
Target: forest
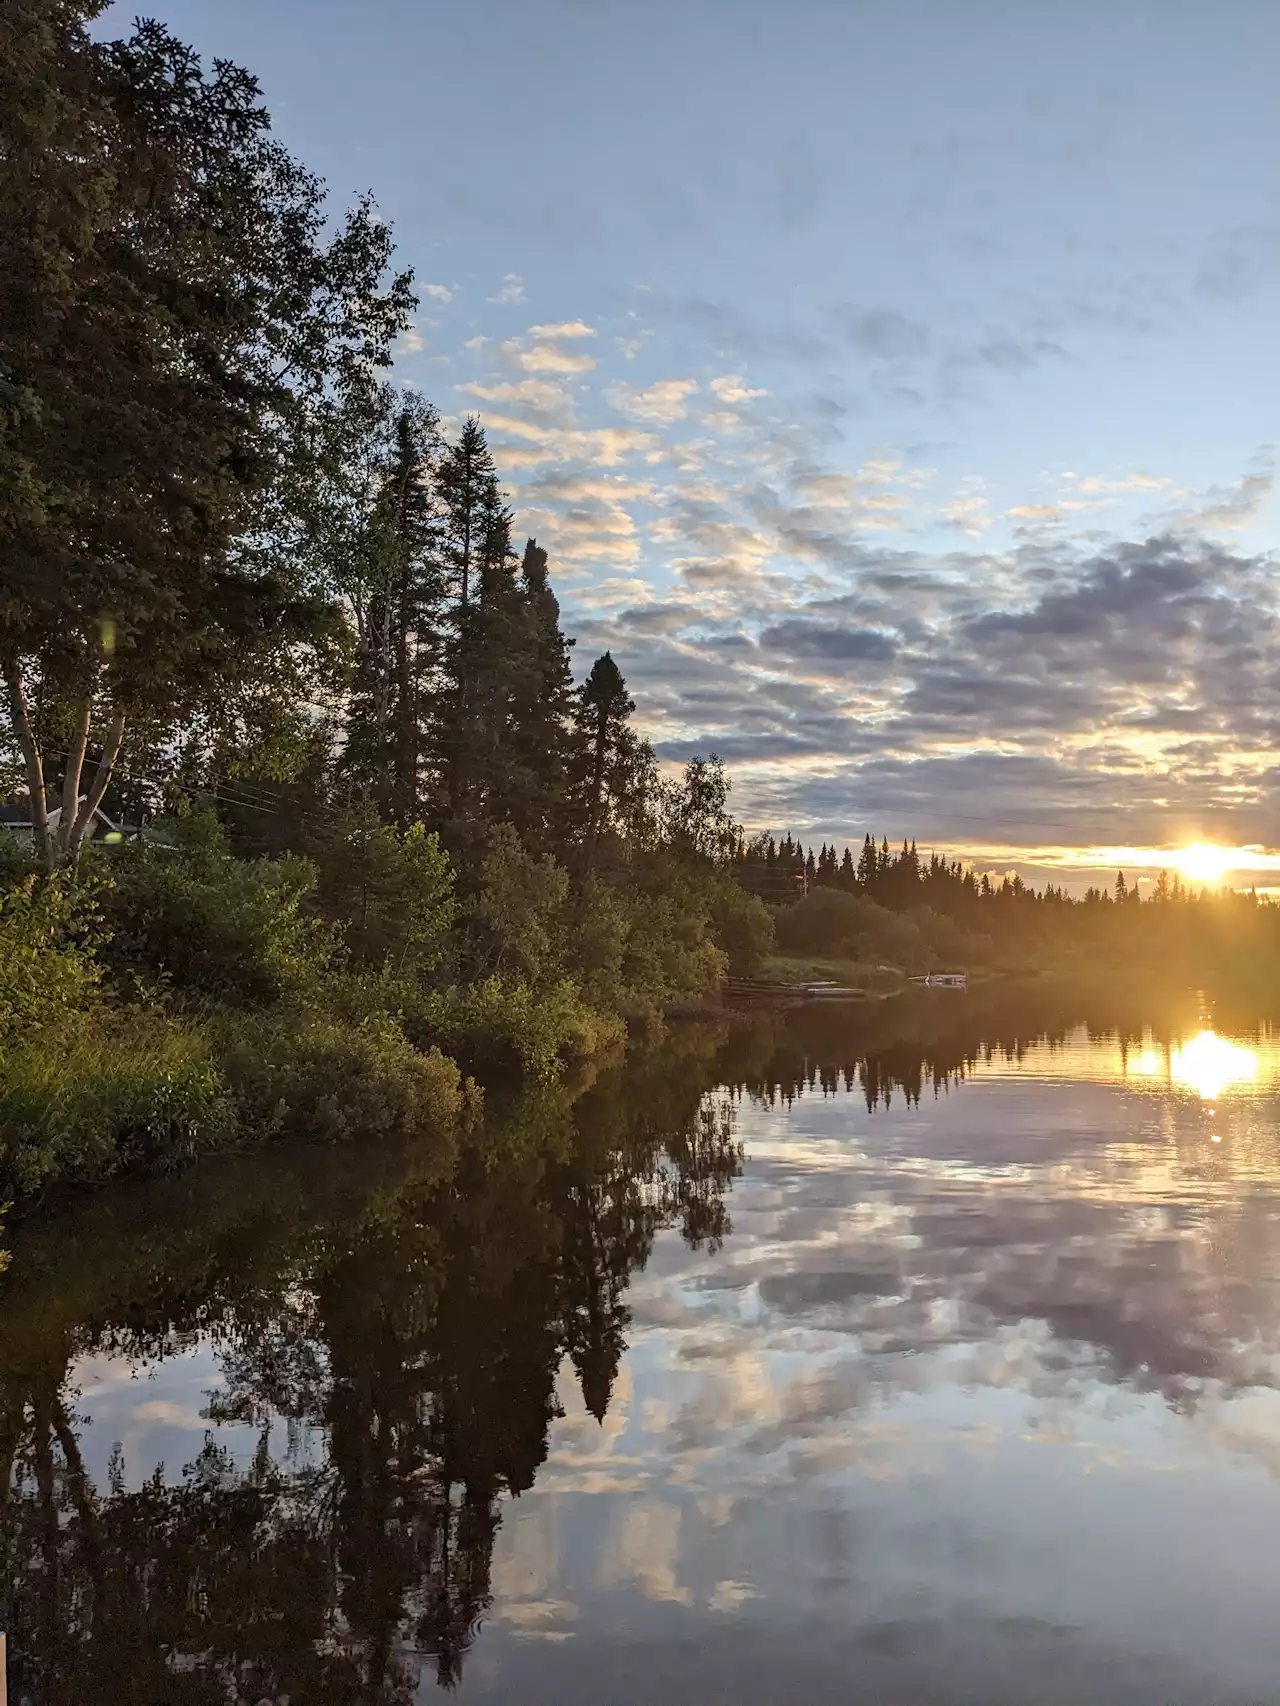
column 311, row 818
column 312, row 828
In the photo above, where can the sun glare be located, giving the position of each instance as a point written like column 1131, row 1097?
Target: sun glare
column 1209, row 1063
column 1204, row 863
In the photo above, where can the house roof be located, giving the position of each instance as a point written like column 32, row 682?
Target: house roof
column 17, row 814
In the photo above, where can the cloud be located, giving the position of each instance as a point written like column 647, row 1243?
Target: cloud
column 537, row 399
column 884, row 334
column 1044, row 514
column 1012, row 355
column 967, row 511
column 829, row 644
column 662, row 403
column 731, row 388
column 563, row 329
column 537, row 442
column 438, row 292
column 512, row 290
column 545, row 358
column 1226, row 509
column 411, row 340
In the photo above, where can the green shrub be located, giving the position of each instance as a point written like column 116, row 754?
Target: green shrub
column 237, row 930
column 130, row 1090
column 315, row 1078
column 389, row 892
column 500, row 1023
column 742, row 926
column 516, row 918
column 47, row 968
column 669, row 950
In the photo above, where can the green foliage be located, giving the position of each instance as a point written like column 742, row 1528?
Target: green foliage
column 316, row 1079
column 238, row 930
column 669, row 951
column 113, row 1092
column 390, row 891
column 47, row 969
column 742, row 926
column 516, row 915
column 503, row 1022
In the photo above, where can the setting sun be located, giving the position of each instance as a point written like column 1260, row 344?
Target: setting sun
column 1204, row 863
column 1209, row 1064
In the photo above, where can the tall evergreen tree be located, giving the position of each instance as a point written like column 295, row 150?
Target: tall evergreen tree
column 604, row 754
column 394, row 583
column 542, row 709
column 468, row 487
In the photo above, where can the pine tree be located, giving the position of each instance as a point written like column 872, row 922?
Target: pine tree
column 848, row 875
column 605, row 751
column 468, row 487
column 478, row 765
column 542, row 709
column 867, row 864
column 391, row 573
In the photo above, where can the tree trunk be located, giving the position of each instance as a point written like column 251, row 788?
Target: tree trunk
column 75, row 761
column 21, row 720
column 597, row 790
column 71, row 836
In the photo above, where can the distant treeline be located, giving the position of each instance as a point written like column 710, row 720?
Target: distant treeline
column 785, row 868
column 902, row 910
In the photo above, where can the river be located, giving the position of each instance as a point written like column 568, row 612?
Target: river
column 927, row 1352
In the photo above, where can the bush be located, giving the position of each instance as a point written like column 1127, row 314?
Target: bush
column 516, row 920
column 315, row 1078
column 389, row 892
column 742, row 926
column 234, row 929
column 826, row 921
column 47, row 968
column 669, row 950
column 501, row 1023
column 114, row 1092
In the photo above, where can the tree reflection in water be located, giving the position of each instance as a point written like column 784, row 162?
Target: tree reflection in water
column 393, row 1325
column 416, row 1317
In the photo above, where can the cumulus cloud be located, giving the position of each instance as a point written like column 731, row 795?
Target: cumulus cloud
column 545, row 358
column 563, row 329
column 662, row 403
column 828, row 643
column 512, row 290
column 968, row 512
column 731, row 388
column 438, row 292
column 537, row 399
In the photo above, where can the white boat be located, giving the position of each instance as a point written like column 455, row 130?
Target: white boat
column 946, row 980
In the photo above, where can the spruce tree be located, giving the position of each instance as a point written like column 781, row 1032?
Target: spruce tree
column 477, row 760
column 604, row 753
column 469, row 494
column 393, row 578
column 542, row 709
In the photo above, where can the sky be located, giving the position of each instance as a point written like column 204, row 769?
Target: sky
column 894, row 384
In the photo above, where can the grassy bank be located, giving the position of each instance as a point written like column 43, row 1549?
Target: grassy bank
column 175, row 1000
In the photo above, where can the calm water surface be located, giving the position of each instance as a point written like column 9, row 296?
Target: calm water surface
column 929, row 1355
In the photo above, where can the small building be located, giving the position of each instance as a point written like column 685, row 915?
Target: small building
column 16, row 819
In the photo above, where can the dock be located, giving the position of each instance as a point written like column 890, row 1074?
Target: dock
column 768, row 989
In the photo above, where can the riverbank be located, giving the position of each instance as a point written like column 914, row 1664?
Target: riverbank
column 175, row 1000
